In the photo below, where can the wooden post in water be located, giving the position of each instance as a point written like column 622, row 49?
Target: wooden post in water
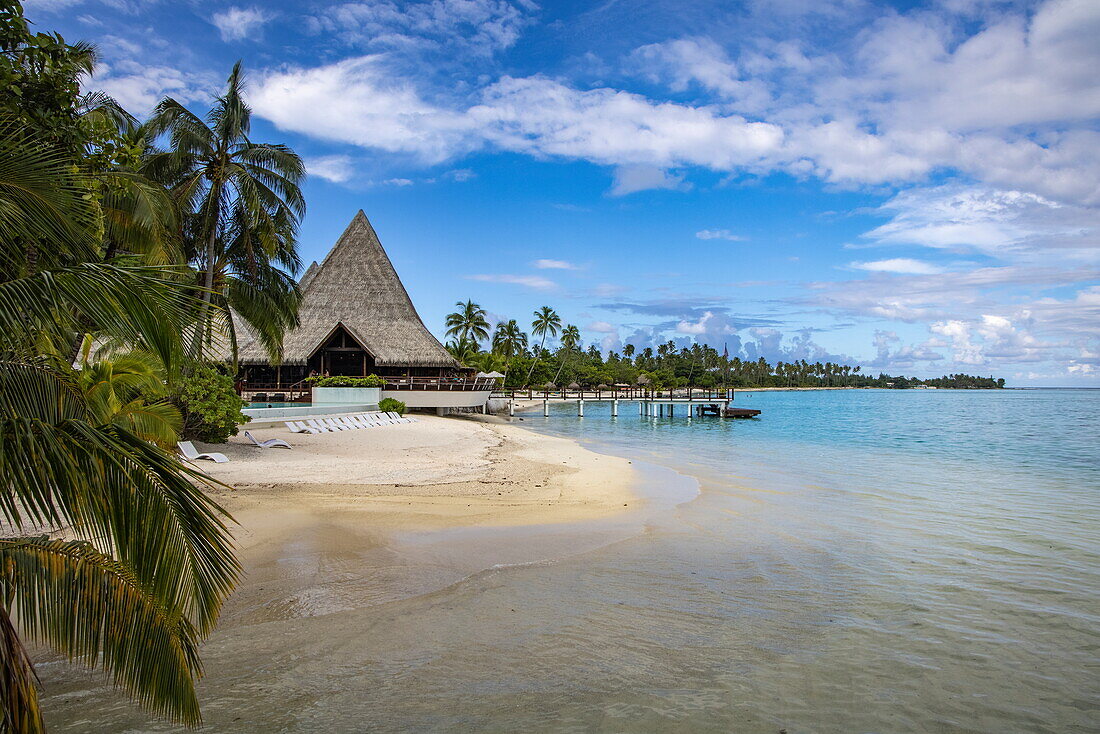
column 615, row 408
column 580, row 408
column 546, row 408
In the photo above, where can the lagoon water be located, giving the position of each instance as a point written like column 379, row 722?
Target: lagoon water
column 854, row 561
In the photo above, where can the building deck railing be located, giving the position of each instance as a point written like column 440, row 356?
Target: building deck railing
column 291, row 392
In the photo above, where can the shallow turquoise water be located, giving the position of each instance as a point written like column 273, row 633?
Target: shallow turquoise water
column 856, row 561
column 859, row 561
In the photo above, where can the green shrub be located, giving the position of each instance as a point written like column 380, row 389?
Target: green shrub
column 340, row 381
column 210, row 406
column 387, row 405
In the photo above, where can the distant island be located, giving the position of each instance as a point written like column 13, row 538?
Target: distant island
column 527, row 362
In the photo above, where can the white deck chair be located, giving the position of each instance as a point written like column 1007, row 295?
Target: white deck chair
column 269, row 443
column 398, row 417
column 296, row 427
column 347, row 419
column 318, row 426
column 335, row 424
column 192, row 454
column 379, row 419
column 360, row 421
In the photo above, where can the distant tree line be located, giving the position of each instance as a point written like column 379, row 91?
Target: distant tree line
column 529, row 362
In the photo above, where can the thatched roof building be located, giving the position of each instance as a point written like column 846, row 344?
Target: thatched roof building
column 355, row 317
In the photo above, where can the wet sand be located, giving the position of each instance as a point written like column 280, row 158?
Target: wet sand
column 348, row 522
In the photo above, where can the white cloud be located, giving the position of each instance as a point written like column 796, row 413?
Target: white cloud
column 545, row 264
column 987, row 220
column 477, row 28
column 701, row 61
column 236, row 24
column 898, row 265
column 528, row 281
column 718, row 234
column 139, row 87
column 358, row 101
column 398, row 182
column 630, row 179
column 602, row 327
column 461, row 175
column 334, row 168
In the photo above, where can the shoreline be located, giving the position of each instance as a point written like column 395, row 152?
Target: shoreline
column 432, row 503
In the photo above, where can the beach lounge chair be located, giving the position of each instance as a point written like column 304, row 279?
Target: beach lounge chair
column 334, row 424
column 192, row 454
column 347, row 422
column 378, row 419
column 269, row 443
column 360, row 421
column 398, row 418
column 296, row 427
column 318, row 426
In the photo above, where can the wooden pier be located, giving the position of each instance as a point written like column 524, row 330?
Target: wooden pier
column 653, row 406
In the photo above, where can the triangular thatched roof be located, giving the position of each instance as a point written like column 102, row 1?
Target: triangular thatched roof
column 356, row 287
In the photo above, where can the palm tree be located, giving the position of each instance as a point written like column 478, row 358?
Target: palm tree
column 570, row 338
column 241, row 203
column 150, row 563
column 508, row 341
column 469, row 323
column 547, row 322
column 462, row 349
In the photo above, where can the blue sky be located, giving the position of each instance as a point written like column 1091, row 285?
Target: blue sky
column 914, row 187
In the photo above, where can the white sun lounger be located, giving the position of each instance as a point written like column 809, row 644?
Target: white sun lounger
column 191, row 453
column 297, row 427
column 379, row 419
column 360, row 421
column 318, row 426
column 337, row 424
column 398, row 417
column 269, row 443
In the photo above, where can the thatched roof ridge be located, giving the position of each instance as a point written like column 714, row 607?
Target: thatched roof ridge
column 356, row 286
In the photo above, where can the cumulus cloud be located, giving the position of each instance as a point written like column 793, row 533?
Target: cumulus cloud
column 139, row 87
column 602, row 327
column 357, row 101
column 236, row 24
column 334, row 168
column 535, row 282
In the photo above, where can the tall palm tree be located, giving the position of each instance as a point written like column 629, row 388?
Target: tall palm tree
column 546, row 323
column 570, row 338
column 468, row 323
column 241, row 203
column 508, row 341
column 150, row 563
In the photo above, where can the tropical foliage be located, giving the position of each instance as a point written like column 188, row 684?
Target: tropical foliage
column 103, row 321
column 240, row 203
column 209, row 404
column 387, row 405
column 341, row 381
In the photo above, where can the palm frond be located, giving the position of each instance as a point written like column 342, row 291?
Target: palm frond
column 93, row 609
column 140, row 305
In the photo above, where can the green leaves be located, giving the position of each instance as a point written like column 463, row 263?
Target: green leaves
column 141, row 306
column 91, row 607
